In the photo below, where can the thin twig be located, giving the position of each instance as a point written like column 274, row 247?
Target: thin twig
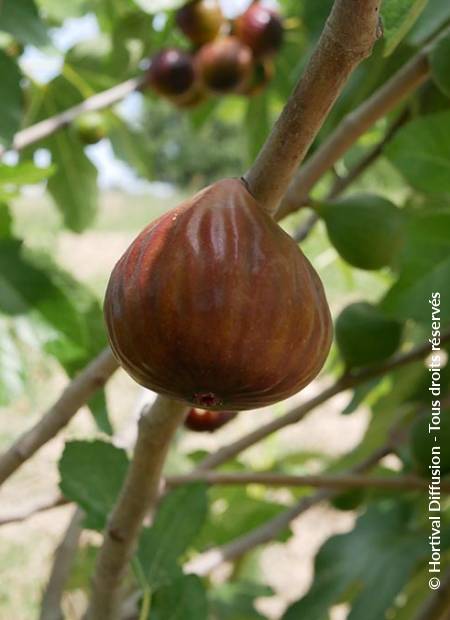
column 348, row 37
column 51, row 125
column 211, row 559
column 338, row 482
column 437, row 607
column 341, row 183
column 26, row 513
column 353, row 126
column 76, row 394
column 350, row 380
column 157, row 426
column 62, row 565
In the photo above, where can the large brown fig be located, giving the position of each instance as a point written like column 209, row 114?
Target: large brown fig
column 214, row 304
column 224, row 65
column 261, row 28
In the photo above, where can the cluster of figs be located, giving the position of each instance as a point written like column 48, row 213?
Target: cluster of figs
column 225, row 57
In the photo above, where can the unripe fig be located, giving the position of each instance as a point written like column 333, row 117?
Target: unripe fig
column 215, row 305
column 261, row 28
column 91, row 127
column 261, row 75
column 364, row 335
column 172, row 73
column 367, row 230
column 202, row 421
column 224, row 65
column 200, row 20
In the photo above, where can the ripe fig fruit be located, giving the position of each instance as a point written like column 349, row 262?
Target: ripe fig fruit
column 215, row 305
column 364, row 335
column 91, row 127
column 172, row 73
column 200, row 20
column 202, row 421
column 224, row 65
column 260, row 77
column 366, row 230
column 261, row 28
column 422, row 443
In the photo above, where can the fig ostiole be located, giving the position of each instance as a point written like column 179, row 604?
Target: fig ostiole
column 201, row 421
column 215, row 305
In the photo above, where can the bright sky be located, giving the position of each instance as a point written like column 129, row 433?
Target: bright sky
column 44, row 66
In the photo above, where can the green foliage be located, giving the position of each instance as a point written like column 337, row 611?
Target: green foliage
column 184, row 597
column 366, row 230
column 421, row 152
column 380, row 550
column 12, row 375
column 235, row 600
column 440, row 64
column 21, row 19
column 104, row 466
column 398, row 18
column 364, row 335
column 11, row 99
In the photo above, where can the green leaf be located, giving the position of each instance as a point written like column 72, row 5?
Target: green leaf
column 257, row 123
column 365, row 229
column 21, row 19
column 385, row 547
column 425, row 269
column 11, row 98
column 25, row 173
column 12, row 374
column 398, row 18
column 155, row 6
column 434, row 16
column 99, row 409
column 440, row 64
column 178, row 520
column 132, row 147
column 5, row 221
column 236, row 600
column 421, row 152
column 74, row 185
column 92, row 474
column 184, row 597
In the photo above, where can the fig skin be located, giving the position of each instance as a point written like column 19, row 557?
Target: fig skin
column 215, row 305
column 200, row 20
column 201, row 421
column 261, row 28
column 172, row 73
column 224, row 65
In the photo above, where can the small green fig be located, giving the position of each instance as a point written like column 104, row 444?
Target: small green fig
column 366, row 230
column 91, row 127
column 364, row 335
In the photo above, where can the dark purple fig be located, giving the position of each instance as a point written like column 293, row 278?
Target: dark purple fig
column 202, row 421
column 215, row 305
column 260, row 77
column 261, row 28
column 224, row 65
column 200, row 20
column 172, row 73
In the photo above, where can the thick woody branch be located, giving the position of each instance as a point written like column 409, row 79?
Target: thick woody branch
column 339, row 482
column 51, row 125
column 157, row 426
column 348, row 37
column 62, row 565
column 76, row 394
column 208, row 561
column 352, row 127
column 350, row 380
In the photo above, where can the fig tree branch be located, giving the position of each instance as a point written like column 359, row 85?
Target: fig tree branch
column 335, row 482
column 76, row 394
column 51, row 125
column 353, row 126
column 62, row 565
column 348, row 37
column 342, row 183
column 346, row 382
column 211, row 559
column 29, row 511
column 157, row 426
